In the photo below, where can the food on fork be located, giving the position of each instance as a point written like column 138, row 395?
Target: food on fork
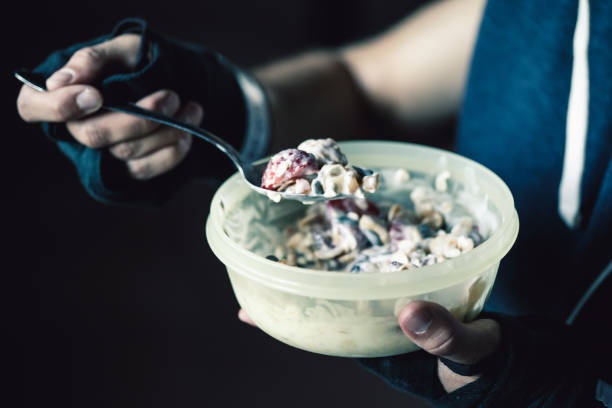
column 317, row 168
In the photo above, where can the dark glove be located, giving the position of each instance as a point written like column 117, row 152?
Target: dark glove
column 234, row 108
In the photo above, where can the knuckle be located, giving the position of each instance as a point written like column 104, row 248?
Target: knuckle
column 60, row 109
column 141, row 127
column 132, row 38
column 174, row 155
column 445, row 344
column 125, row 150
column 93, row 135
column 168, row 102
column 173, row 136
column 185, row 142
column 140, row 169
column 90, row 55
column 123, row 48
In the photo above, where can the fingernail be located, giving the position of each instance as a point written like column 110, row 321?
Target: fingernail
column 170, row 104
column 193, row 112
column 418, row 322
column 88, row 100
column 62, row 77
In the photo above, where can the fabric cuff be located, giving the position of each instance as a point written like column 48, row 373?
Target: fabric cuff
column 534, row 366
column 257, row 135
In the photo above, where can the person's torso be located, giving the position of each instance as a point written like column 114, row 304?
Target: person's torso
column 513, row 121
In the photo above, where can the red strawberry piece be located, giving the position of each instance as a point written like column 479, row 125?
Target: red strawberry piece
column 288, row 165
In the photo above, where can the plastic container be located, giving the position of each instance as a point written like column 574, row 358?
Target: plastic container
column 354, row 315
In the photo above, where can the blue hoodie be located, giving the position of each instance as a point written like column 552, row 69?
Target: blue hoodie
column 515, row 121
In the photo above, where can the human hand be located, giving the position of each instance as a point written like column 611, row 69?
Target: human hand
column 147, row 148
column 436, row 331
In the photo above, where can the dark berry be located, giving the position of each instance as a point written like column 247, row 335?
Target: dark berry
column 425, row 230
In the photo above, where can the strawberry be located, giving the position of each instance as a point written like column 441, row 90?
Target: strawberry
column 289, row 164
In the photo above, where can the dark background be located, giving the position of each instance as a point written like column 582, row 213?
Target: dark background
column 118, row 307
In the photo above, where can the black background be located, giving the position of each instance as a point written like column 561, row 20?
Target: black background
column 118, row 307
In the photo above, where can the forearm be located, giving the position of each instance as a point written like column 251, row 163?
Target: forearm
column 416, row 71
column 313, row 95
column 407, row 77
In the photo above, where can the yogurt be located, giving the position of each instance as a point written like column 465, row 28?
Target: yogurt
column 316, row 167
column 361, row 236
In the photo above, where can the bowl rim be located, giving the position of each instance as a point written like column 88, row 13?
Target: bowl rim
column 344, row 285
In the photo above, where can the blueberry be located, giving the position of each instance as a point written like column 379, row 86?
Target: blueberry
column 360, row 172
column 272, row 258
column 372, row 237
column 320, row 241
column 476, row 236
column 355, row 269
column 425, row 230
column 344, row 219
column 317, row 187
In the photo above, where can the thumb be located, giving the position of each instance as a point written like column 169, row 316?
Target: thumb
column 434, row 329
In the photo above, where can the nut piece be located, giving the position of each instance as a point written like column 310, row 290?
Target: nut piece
column 449, row 246
column 423, row 200
column 401, row 176
column 398, row 262
column 348, row 257
column 350, row 184
column 463, row 227
column 409, row 238
column 295, row 240
column 441, row 181
column 433, row 218
column 308, row 220
column 300, row 186
column 446, row 207
column 291, row 257
column 370, row 183
column 332, row 176
column 394, row 212
column 326, row 151
column 367, row 223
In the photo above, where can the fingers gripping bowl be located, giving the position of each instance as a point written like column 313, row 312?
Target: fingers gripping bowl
column 347, row 314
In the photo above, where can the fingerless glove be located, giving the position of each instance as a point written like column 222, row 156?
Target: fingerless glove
column 235, row 109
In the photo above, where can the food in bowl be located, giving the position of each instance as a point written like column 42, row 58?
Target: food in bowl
column 359, row 236
column 355, row 314
column 316, row 167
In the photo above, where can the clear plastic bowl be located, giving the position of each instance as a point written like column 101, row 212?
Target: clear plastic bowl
column 355, row 315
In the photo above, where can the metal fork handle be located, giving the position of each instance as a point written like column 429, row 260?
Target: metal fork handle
column 225, row 147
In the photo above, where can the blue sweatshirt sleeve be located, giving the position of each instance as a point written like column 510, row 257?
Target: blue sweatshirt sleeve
column 196, row 73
